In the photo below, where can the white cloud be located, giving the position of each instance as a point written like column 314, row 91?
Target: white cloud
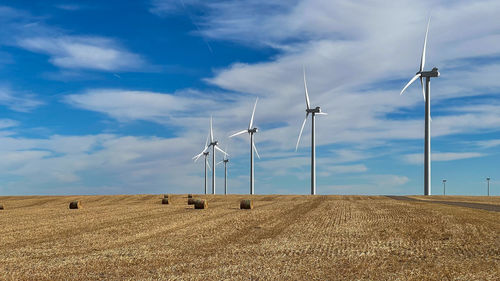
column 342, row 169
column 418, row 158
column 77, row 52
column 126, row 105
column 65, row 50
column 488, row 143
column 18, row 101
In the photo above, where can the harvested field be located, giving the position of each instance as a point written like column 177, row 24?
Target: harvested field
column 135, row 237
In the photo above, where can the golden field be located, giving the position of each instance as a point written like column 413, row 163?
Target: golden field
column 135, row 237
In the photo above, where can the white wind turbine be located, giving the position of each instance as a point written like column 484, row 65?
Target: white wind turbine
column 214, row 145
column 313, row 111
column 250, row 131
column 225, row 161
column 427, row 98
column 205, row 153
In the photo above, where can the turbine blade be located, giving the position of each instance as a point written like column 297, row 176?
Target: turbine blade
column 211, row 131
column 301, row 129
column 217, row 147
column 422, row 60
column 255, row 148
column 219, row 163
column 208, row 165
column 238, row 133
column 423, row 89
column 197, row 157
column 308, row 105
column 206, row 142
column 253, row 113
column 321, row 113
column 409, row 83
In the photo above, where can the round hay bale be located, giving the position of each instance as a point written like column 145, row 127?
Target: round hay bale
column 201, row 204
column 190, row 195
column 164, row 201
column 1, row 207
column 75, row 205
column 246, row 204
column 166, row 196
column 191, row 201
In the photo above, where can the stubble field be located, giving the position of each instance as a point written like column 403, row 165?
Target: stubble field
column 134, row 237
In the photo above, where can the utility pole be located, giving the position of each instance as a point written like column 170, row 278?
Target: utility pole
column 444, row 187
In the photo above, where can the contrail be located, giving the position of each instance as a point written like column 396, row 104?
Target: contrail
column 197, row 27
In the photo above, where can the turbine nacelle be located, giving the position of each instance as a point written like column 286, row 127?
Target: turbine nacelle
column 317, row 109
column 206, row 153
column 225, row 160
column 214, row 143
column 433, row 73
column 253, row 131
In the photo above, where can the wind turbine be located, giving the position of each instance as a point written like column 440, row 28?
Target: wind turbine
column 313, row 111
column 225, row 161
column 427, row 98
column 251, row 131
column 204, row 153
column 214, row 145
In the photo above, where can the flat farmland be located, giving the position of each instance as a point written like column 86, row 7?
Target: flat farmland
column 135, row 237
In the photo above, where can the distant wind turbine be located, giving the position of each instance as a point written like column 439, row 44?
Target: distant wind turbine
column 427, row 98
column 225, row 161
column 214, row 145
column 251, row 130
column 205, row 153
column 313, row 111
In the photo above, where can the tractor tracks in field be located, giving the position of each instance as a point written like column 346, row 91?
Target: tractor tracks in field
column 479, row 206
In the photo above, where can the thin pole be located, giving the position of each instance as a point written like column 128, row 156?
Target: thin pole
column 206, row 173
column 313, row 157
column 213, row 169
column 225, row 178
column 488, row 180
column 251, row 165
column 427, row 152
column 444, row 188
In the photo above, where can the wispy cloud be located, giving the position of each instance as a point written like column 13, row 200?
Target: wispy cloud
column 65, row 49
column 418, row 158
column 126, row 105
column 76, row 52
column 18, row 101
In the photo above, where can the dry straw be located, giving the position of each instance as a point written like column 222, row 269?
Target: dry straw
column 201, row 204
column 164, row 201
column 75, row 205
column 246, row 204
column 191, row 201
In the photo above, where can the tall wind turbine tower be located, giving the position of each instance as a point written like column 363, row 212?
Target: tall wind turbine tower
column 214, row 145
column 251, row 130
column 204, row 153
column 225, row 161
column 427, row 98
column 313, row 111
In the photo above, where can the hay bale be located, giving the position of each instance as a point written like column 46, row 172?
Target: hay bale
column 164, row 201
column 201, row 204
column 165, row 196
column 191, row 201
column 1, row 207
column 246, row 204
column 75, row 205
column 190, row 195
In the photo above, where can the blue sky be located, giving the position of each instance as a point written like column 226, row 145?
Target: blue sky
column 115, row 97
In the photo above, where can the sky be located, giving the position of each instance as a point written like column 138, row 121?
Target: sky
column 115, row 97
